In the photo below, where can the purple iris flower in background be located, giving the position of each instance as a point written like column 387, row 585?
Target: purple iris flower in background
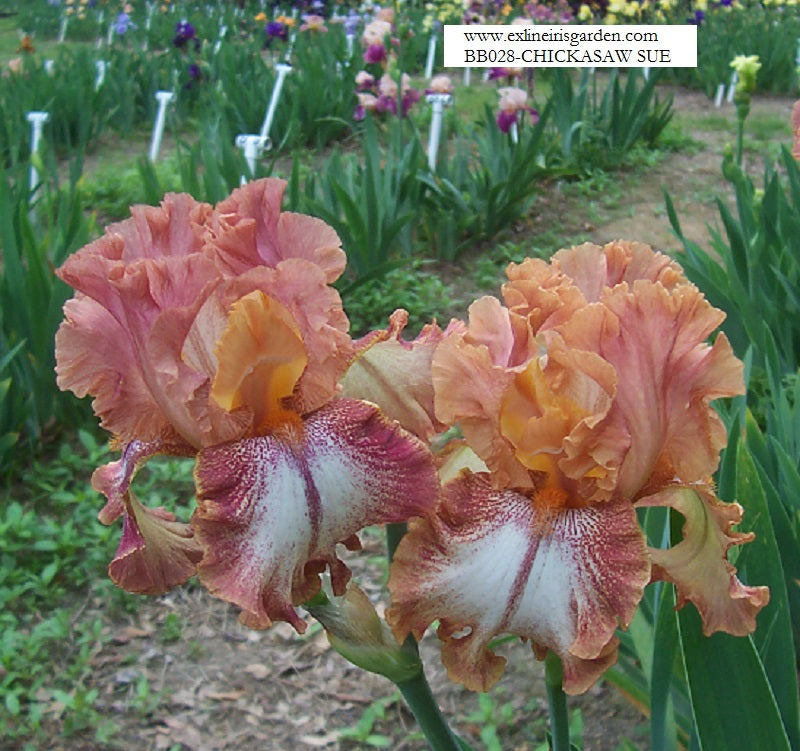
column 375, row 53
column 123, row 24
column 495, row 73
column 351, row 23
column 195, row 75
column 185, row 33
column 697, row 19
column 505, row 120
column 276, row 30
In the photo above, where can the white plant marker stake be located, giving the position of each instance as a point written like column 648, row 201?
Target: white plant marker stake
column 350, row 39
column 222, row 31
column 732, row 86
column 49, row 67
column 101, row 73
column 37, row 120
column 164, row 98
column 438, row 102
column 467, row 76
column 253, row 146
column 290, row 46
column 431, row 56
column 62, row 29
column 514, row 133
column 148, row 22
column 283, row 70
column 646, row 73
column 720, row 95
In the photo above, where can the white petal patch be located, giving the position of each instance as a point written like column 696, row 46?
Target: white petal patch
column 271, row 509
column 491, row 563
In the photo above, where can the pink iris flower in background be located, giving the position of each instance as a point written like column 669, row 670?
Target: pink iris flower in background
column 440, row 84
column 376, row 32
column 583, row 396
column 387, row 94
column 215, row 333
column 364, row 80
column 314, row 22
column 513, row 102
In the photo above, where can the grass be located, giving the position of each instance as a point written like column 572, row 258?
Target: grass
column 10, row 39
column 762, row 127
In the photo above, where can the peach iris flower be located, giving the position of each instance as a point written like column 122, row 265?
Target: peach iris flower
column 375, row 32
column 585, row 394
column 314, row 22
column 215, row 333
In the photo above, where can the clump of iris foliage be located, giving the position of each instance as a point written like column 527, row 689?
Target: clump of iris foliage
column 372, row 183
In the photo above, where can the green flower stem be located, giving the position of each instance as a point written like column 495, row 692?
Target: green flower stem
column 740, row 138
column 557, row 702
column 417, row 691
column 420, row 700
column 742, row 102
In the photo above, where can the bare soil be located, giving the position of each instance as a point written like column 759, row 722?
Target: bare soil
column 222, row 687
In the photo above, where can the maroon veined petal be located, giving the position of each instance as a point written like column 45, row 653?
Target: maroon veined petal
column 490, row 563
column 271, row 509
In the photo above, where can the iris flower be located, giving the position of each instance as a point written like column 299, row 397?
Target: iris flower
column 123, row 24
column 513, row 102
column 185, row 33
column 276, row 30
column 313, row 22
column 215, row 333
column 375, row 53
column 585, row 397
column 351, row 23
column 387, row 94
column 376, row 32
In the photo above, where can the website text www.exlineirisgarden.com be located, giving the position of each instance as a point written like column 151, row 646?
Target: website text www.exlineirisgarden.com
column 635, row 46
